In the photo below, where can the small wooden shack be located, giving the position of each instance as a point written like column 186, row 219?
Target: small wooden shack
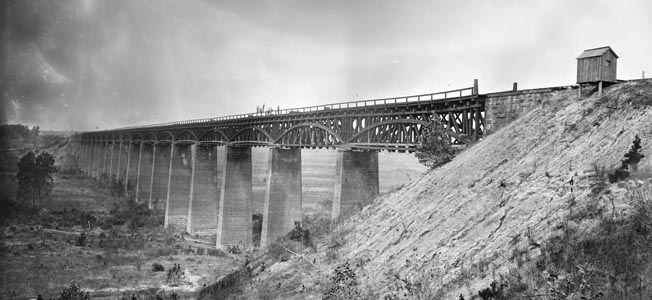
column 597, row 65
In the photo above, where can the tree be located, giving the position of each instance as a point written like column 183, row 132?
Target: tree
column 34, row 176
column 435, row 146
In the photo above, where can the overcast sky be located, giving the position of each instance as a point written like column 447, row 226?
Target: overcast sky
column 292, row 53
column 297, row 53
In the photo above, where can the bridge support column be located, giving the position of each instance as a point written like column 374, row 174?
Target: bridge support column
column 126, row 183
column 206, row 186
column 160, row 169
column 234, row 224
column 118, row 166
column 105, row 153
column 179, row 185
column 110, row 167
column 131, row 174
column 83, row 156
column 97, row 158
column 89, row 158
column 145, row 164
column 282, row 194
column 356, row 181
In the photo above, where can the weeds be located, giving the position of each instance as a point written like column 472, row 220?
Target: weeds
column 632, row 158
column 344, row 284
column 174, row 275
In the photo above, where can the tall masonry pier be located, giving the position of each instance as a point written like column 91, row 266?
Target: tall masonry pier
column 201, row 171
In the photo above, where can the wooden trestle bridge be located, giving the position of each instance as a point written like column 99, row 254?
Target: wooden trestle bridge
column 392, row 124
column 178, row 162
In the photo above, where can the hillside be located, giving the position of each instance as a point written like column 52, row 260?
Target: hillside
column 457, row 228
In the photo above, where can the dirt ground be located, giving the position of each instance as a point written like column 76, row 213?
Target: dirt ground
column 81, row 234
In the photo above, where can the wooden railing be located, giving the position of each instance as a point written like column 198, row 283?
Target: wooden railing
column 439, row 96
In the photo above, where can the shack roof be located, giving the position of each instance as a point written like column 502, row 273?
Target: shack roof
column 596, row 52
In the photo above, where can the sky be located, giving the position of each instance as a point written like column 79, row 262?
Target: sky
column 227, row 57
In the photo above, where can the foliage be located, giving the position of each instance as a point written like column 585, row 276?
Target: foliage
column 174, row 274
column 611, row 260
column 345, row 284
column 34, row 175
column 73, row 292
column 15, row 131
column 156, row 267
column 435, row 146
column 493, row 292
column 135, row 215
column 632, row 158
column 301, row 235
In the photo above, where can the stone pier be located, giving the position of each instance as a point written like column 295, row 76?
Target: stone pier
column 106, row 148
column 131, row 174
column 118, row 163
column 356, row 181
column 202, row 211
column 179, row 185
column 159, row 187
column 234, row 223
column 145, row 164
column 283, row 199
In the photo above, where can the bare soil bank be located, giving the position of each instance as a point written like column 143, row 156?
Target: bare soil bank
column 489, row 211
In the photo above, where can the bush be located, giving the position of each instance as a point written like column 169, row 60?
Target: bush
column 156, row 267
column 435, row 146
column 611, row 260
column 345, row 284
column 73, row 292
column 632, row 158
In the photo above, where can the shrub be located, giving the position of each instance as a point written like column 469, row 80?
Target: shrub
column 611, row 260
column 174, row 274
column 73, row 292
column 435, row 146
column 156, row 267
column 632, row 158
column 345, row 284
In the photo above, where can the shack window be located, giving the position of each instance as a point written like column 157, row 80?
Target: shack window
column 607, row 62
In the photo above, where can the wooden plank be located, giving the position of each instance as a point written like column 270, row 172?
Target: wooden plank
column 453, row 121
column 465, row 122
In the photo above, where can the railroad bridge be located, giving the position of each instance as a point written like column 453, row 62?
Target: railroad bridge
column 179, row 162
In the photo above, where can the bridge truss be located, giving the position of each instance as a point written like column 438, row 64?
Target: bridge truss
column 392, row 124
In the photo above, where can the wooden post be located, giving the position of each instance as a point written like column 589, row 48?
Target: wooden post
column 465, row 123
column 477, row 123
column 600, row 89
column 475, row 87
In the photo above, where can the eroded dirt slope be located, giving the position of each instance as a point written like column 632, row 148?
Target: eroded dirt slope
column 464, row 219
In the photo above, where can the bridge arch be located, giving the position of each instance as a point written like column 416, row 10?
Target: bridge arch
column 150, row 137
column 326, row 139
column 370, row 127
column 212, row 136
column 165, row 137
column 251, row 135
column 124, row 136
column 137, row 137
column 186, row 136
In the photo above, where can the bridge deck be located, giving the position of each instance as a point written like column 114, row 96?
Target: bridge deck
column 377, row 124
